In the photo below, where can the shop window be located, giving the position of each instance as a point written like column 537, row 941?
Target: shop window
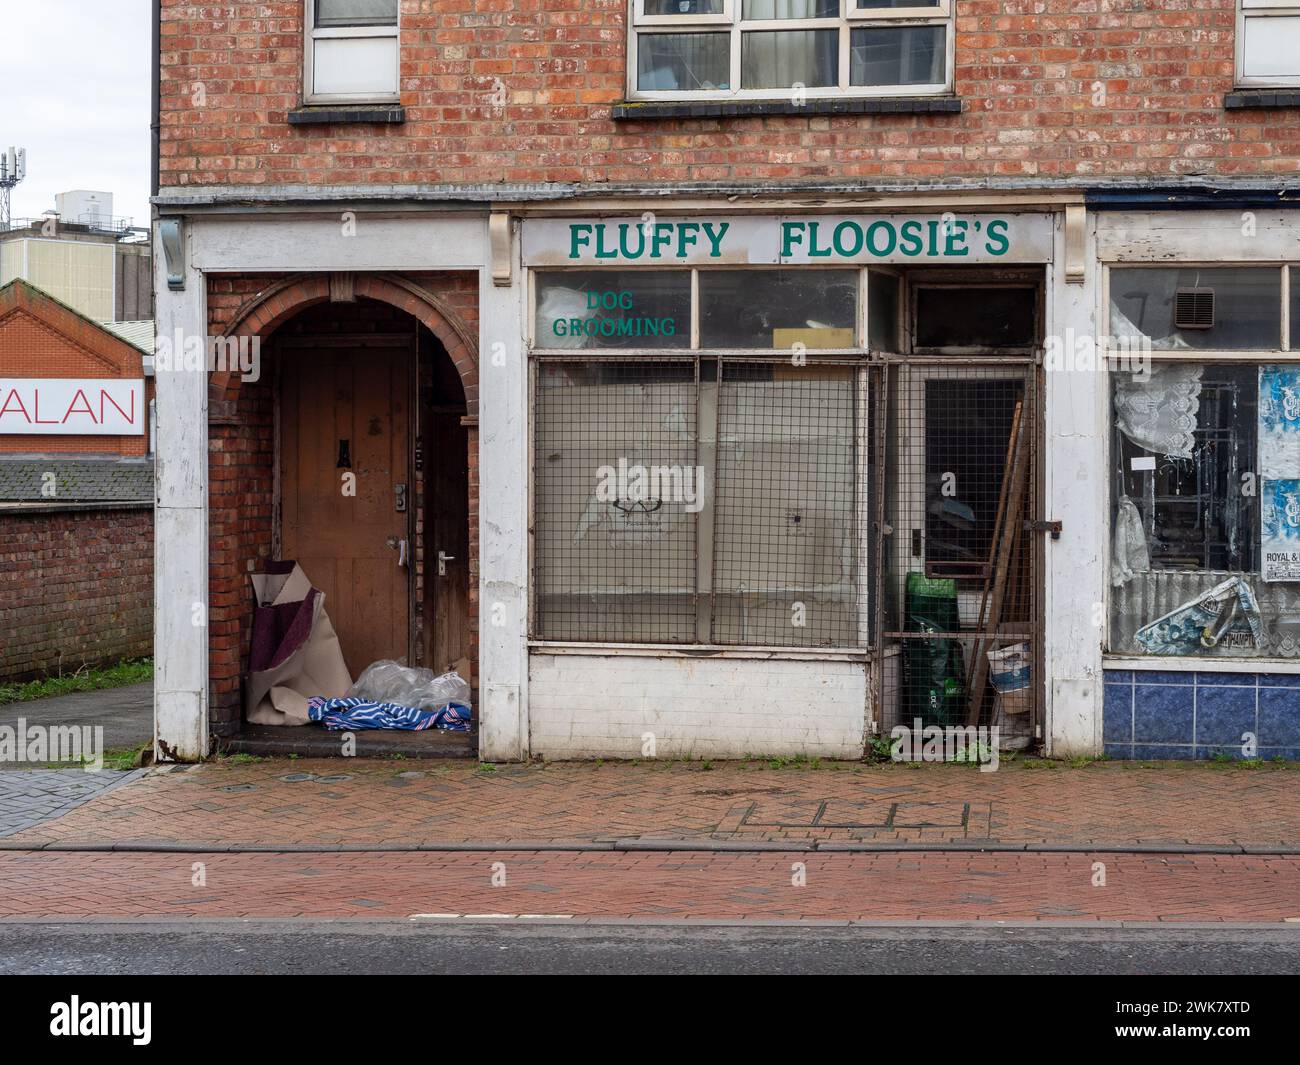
column 973, row 318
column 1206, row 511
column 710, row 49
column 697, row 502
column 613, row 309
column 778, row 308
column 1268, row 41
column 1226, row 308
column 351, row 51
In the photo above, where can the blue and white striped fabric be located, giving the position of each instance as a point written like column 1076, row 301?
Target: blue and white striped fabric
column 357, row 714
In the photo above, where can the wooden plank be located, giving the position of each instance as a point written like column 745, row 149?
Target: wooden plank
column 1007, row 540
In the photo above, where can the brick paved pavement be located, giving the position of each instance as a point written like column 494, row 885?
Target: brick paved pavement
column 30, row 797
column 332, row 802
column 869, row 887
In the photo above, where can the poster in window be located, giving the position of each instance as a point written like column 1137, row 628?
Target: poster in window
column 1280, row 529
column 1279, row 472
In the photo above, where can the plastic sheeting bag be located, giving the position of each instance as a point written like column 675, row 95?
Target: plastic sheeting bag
column 1129, row 551
column 386, row 681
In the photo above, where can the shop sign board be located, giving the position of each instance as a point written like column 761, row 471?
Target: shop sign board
column 96, row 406
column 825, row 240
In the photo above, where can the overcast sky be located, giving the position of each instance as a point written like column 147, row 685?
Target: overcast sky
column 76, row 76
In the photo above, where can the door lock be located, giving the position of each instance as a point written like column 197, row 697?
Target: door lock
column 399, row 502
column 443, row 559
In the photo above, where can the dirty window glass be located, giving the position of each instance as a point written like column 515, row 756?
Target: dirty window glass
column 1205, row 516
column 778, row 308
column 356, row 12
column 974, row 317
column 1224, row 308
column 614, row 309
column 683, row 61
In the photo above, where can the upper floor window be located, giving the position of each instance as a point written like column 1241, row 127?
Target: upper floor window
column 1268, row 42
column 788, row 49
column 351, row 50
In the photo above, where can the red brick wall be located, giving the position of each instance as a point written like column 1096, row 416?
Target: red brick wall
column 1024, row 69
column 76, row 588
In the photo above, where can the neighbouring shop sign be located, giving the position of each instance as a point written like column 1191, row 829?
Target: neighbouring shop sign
column 95, row 406
column 651, row 240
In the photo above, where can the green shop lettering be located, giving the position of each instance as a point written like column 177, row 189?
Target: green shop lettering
column 946, row 238
column 645, row 240
column 622, row 325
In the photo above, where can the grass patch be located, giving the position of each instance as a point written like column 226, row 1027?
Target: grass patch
column 135, row 671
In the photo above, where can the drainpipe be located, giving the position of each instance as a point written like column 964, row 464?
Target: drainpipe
column 156, row 121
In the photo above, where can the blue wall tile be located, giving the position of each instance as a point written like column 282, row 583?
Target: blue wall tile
column 1162, row 752
column 1279, row 680
column 1224, row 714
column 1165, row 676
column 1279, row 717
column 1226, row 680
column 1117, row 713
column 1162, row 714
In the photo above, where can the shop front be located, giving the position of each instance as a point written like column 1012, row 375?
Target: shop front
column 1203, row 645
column 667, row 478
column 788, row 478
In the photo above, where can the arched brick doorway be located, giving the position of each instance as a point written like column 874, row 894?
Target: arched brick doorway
column 247, row 460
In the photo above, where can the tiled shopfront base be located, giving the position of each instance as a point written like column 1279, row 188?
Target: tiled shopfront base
column 1164, row 714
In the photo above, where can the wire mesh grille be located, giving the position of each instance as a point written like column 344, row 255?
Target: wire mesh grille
column 957, row 598
column 615, row 521
column 698, row 502
column 785, row 534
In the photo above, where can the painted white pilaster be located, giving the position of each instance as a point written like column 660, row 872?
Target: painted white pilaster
column 503, row 515
column 181, row 522
column 1075, row 404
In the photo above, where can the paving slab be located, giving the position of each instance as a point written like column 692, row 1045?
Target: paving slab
column 354, row 803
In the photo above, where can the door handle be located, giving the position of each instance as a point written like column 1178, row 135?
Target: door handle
column 403, row 550
column 443, row 559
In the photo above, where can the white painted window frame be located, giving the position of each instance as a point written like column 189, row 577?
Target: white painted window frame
column 313, row 33
column 1258, row 9
column 731, row 21
column 1284, row 352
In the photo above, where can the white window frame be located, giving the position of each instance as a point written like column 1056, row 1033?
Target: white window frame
column 313, row 33
column 1259, row 9
column 730, row 20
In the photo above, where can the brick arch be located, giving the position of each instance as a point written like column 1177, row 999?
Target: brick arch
column 266, row 311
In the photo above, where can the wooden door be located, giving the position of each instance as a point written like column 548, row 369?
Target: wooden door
column 448, row 525
column 344, row 411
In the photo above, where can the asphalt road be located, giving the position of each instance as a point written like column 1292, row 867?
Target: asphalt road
column 369, row 947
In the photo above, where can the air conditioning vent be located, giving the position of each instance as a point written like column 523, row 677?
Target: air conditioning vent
column 1194, row 308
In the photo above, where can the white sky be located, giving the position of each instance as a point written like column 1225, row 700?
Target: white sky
column 76, row 76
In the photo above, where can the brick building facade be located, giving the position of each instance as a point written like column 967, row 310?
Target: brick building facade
column 854, row 263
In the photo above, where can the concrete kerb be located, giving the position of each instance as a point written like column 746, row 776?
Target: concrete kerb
column 706, row 846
